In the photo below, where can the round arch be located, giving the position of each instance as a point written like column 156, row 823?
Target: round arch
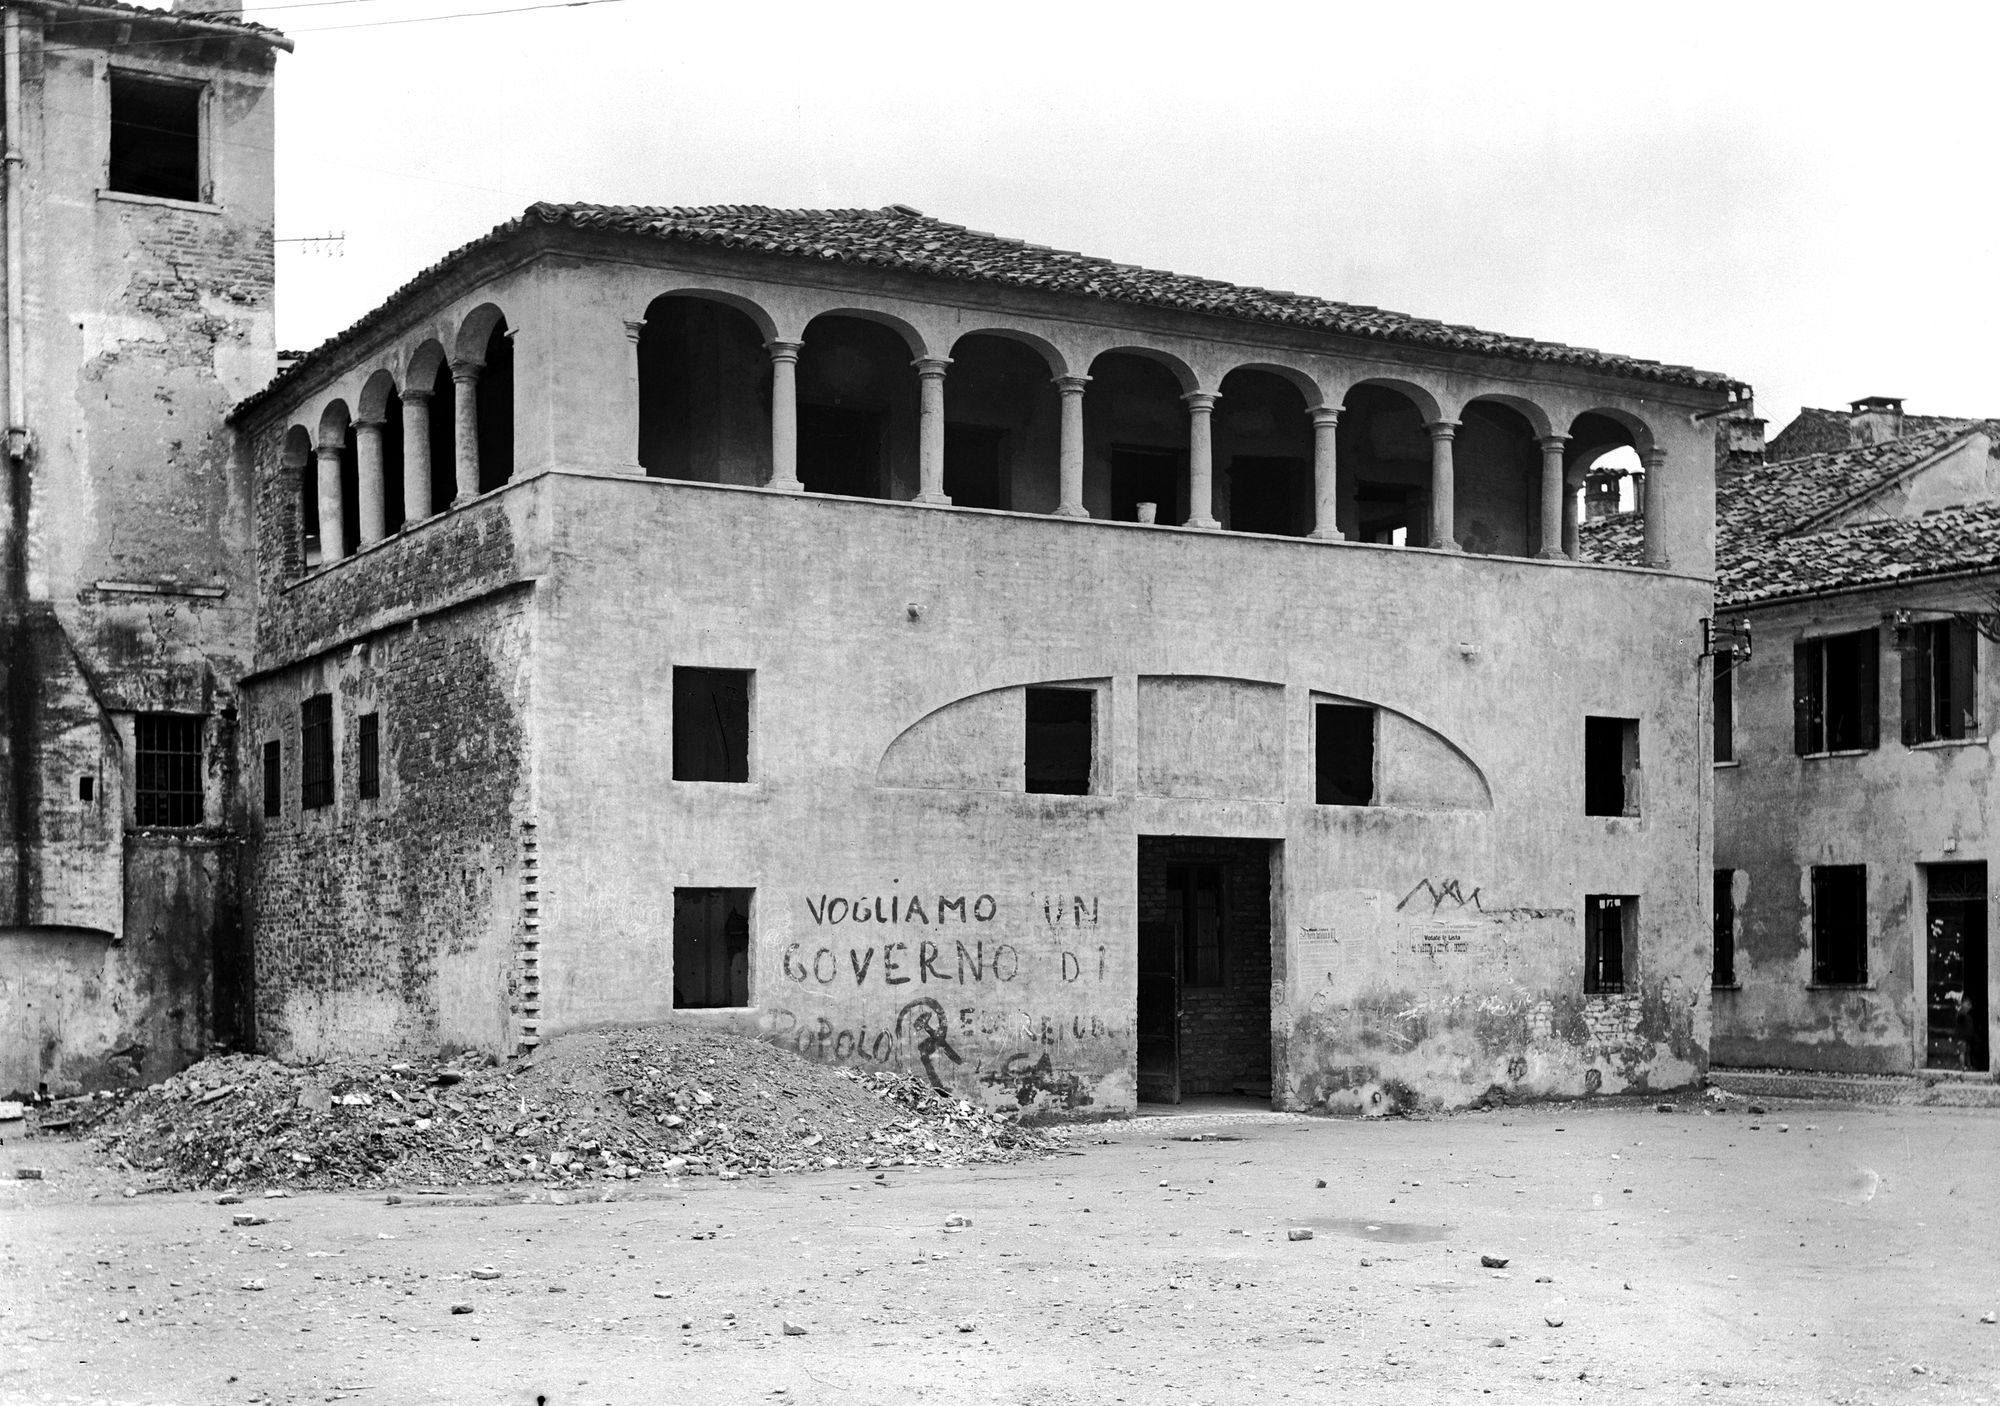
column 1306, row 386
column 373, row 402
column 1181, row 371
column 1537, row 418
column 1057, row 362
column 1427, row 404
column 475, row 331
column 912, row 338
column 766, row 325
column 297, row 451
column 424, row 364
column 333, row 423
column 1638, row 432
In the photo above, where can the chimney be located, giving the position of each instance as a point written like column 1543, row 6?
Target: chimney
column 1874, row 419
column 1739, row 440
column 1600, row 493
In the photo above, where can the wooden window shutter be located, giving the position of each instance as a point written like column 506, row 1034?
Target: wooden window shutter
column 1805, row 694
column 1867, row 684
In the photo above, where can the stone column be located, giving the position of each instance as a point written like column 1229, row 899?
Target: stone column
column 416, row 457
column 1443, row 536
column 368, row 481
column 1201, row 460
column 465, row 409
column 1070, row 388
column 332, row 539
column 1326, row 484
column 1555, row 503
column 1655, row 508
column 785, row 416
column 930, row 428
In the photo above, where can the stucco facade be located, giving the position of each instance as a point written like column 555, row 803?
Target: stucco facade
column 524, row 855
column 138, row 320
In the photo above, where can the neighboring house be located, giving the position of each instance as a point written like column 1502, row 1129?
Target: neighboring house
column 1073, row 682
column 1853, row 767
column 138, row 213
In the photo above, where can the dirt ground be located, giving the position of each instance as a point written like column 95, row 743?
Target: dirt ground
column 1818, row 1253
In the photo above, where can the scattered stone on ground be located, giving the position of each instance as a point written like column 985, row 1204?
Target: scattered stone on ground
column 1299, row 1232
column 609, row 1104
column 1493, row 1261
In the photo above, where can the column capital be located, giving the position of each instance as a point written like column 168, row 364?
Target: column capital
column 929, row 366
column 464, row 373
column 1324, row 415
column 361, row 424
column 1552, row 442
column 782, row 350
column 327, row 451
column 634, row 326
column 1442, row 429
column 1069, row 385
column 414, row 393
column 1200, row 402
column 1654, row 458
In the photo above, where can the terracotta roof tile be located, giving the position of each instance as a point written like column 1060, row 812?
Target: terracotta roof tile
column 901, row 239
column 185, row 19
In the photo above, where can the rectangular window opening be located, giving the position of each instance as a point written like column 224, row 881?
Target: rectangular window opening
column 712, row 725
column 1610, row 766
column 316, row 752
column 1840, row 925
column 1609, row 927
column 1940, row 681
column 1723, row 915
column 155, row 137
column 167, row 777
column 1835, row 704
column 1343, row 754
column 1725, row 708
column 274, row 779
column 368, row 784
column 711, row 948
column 1061, row 740
column 86, row 788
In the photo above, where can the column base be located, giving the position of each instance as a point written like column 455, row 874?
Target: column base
column 1203, row 524
column 1076, row 510
column 1552, row 554
column 1327, row 534
column 1659, row 563
column 1447, row 546
column 784, row 485
column 934, row 499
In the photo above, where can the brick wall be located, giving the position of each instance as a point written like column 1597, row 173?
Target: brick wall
column 1226, row 1029
column 392, row 922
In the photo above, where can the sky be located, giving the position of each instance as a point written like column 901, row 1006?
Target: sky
column 1797, row 195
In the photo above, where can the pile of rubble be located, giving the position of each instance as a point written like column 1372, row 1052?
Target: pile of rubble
column 617, row 1103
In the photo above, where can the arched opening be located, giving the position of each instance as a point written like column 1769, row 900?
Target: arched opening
column 495, row 400
column 1263, row 455
column 442, row 427
column 1602, row 470
column 1135, row 440
column 704, row 393
column 1383, row 456
column 1002, row 426
column 301, row 470
column 857, row 398
column 1497, row 476
column 393, row 464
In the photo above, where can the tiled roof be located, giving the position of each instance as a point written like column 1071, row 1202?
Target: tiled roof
column 1817, row 431
column 1866, row 554
column 1767, row 547
column 901, row 240
column 185, row 19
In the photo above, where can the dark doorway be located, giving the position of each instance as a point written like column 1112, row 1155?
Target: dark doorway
column 840, row 451
column 1955, row 960
column 711, row 948
column 1204, row 961
column 974, row 460
column 1147, row 476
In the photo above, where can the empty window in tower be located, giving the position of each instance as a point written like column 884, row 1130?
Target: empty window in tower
column 1610, row 766
column 711, row 948
column 166, row 782
column 155, row 137
column 274, row 796
column 368, row 781
column 1608, row 930
column 1059, row 741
